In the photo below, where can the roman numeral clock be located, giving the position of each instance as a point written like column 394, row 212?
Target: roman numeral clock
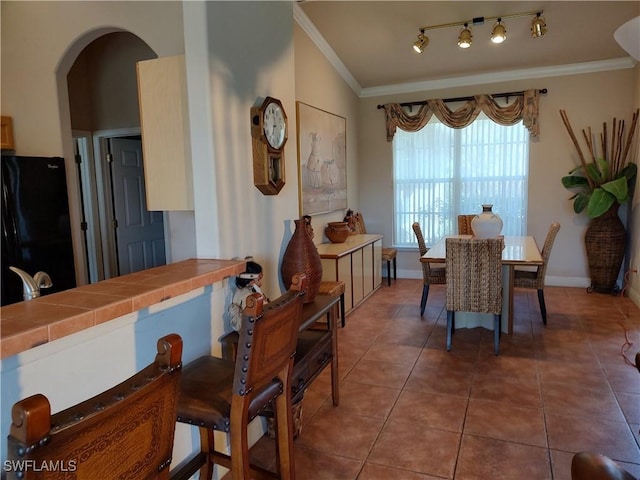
column 268, row 137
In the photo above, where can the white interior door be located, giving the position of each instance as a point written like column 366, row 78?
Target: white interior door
column 139, row 233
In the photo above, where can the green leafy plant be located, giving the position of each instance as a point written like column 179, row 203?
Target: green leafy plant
column 607, row 178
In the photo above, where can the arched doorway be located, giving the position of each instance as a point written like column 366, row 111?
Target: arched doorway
column 119, row 235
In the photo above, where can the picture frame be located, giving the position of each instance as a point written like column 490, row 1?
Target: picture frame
column 322, row 160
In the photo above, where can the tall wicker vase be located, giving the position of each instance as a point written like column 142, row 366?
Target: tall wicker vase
column 302, row 255
column 605, row 240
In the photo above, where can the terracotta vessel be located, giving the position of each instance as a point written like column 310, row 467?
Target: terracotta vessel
column 337, row 232
column 301, row 256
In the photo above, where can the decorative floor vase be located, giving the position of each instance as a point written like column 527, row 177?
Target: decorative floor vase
column 301, row 256
column 487, row 224
column 605, row 241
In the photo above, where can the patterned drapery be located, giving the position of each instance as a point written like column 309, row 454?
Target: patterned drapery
column 524, row 107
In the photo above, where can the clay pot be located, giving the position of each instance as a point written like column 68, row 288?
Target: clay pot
column 337, row 232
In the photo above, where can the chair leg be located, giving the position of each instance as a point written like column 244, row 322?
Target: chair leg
column 423, row 301
column 284, row 426
column 342, row 308
column 450, row 320
column 395, row 270
column 496, row 333
column 543, row 307
column 207, row 447
column 389, row 273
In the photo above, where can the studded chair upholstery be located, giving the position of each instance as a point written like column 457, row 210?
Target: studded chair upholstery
column 535, row 279
column 125, row 432
column 430, row 275
column 218, row 394
column 464, row 224
column 474, row 281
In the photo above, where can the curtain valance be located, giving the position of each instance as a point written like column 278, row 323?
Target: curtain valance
column 524, row 107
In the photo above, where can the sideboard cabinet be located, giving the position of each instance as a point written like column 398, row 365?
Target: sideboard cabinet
column 357, row 262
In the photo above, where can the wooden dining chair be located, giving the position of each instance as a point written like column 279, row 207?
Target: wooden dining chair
column 535, row 279
column 219, row 394
column 389, row 254
column 474, row 281
column 593, row 466
column 464, row 224
column 125, row 432
column 430, row 275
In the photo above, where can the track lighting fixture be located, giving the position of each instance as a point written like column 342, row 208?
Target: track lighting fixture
column 498, row 33
column 465, row 39
column 422, row 42
column 538, row 26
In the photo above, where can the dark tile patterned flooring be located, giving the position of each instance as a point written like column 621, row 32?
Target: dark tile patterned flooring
column 410, row 410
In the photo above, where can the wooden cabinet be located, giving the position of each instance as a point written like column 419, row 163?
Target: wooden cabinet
column 6, row 134
column 166, row 145
column 356, row 262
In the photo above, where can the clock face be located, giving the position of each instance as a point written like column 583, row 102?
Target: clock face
column 274, row 125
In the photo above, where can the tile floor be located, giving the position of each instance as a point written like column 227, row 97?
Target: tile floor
column 410, row 410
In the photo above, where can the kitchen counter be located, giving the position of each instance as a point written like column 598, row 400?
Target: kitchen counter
column 26, row 325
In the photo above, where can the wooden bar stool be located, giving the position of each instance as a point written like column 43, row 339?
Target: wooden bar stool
column 334, row 289
column 125, row 432
column 223, row 395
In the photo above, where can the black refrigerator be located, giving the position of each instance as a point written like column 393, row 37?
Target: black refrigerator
column 36, row 229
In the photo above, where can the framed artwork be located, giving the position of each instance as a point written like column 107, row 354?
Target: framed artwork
column 322, row 160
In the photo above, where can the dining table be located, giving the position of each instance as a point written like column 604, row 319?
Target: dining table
column 520, row 251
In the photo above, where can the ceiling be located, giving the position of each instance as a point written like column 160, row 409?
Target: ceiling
column 371, row 41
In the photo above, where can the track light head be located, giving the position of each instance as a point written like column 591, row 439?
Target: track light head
column 538, row 26
column 422, row 42
column 465, row 39
column 499, row 33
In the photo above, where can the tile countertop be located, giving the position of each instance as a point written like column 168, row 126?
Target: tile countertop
column 26, row 325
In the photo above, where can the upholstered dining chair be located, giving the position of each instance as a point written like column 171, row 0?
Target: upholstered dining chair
column 430, row 275
column 474, row 281
column 125, row 432
column 223, row 395
column 535, row 279
column 389, row 254
column 464, row 224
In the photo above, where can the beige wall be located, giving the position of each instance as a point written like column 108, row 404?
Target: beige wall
column 589, row 99
column 318, row 84
column 633, row 289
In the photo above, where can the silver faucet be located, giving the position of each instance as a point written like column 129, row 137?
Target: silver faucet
column 32, row 285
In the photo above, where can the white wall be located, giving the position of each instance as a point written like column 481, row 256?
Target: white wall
column 589, row 99
column 633, row 288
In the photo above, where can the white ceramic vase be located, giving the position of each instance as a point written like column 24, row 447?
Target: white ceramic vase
column 487, row 224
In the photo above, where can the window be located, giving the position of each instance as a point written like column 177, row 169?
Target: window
column 440, row 172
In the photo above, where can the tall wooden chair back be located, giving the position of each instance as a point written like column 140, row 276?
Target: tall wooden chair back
column 218, row 394
column 430, row 275
column 474, row 280
column 125, row 432
column 464, row 224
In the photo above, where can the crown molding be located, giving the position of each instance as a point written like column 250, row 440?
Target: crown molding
column 301, row 18
column 461, row 81
column 504, row 76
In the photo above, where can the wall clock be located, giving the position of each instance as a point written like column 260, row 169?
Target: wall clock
column 268, row 137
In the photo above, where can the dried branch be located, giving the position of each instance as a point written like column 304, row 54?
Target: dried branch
column 567, row 124
column 632, row 131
